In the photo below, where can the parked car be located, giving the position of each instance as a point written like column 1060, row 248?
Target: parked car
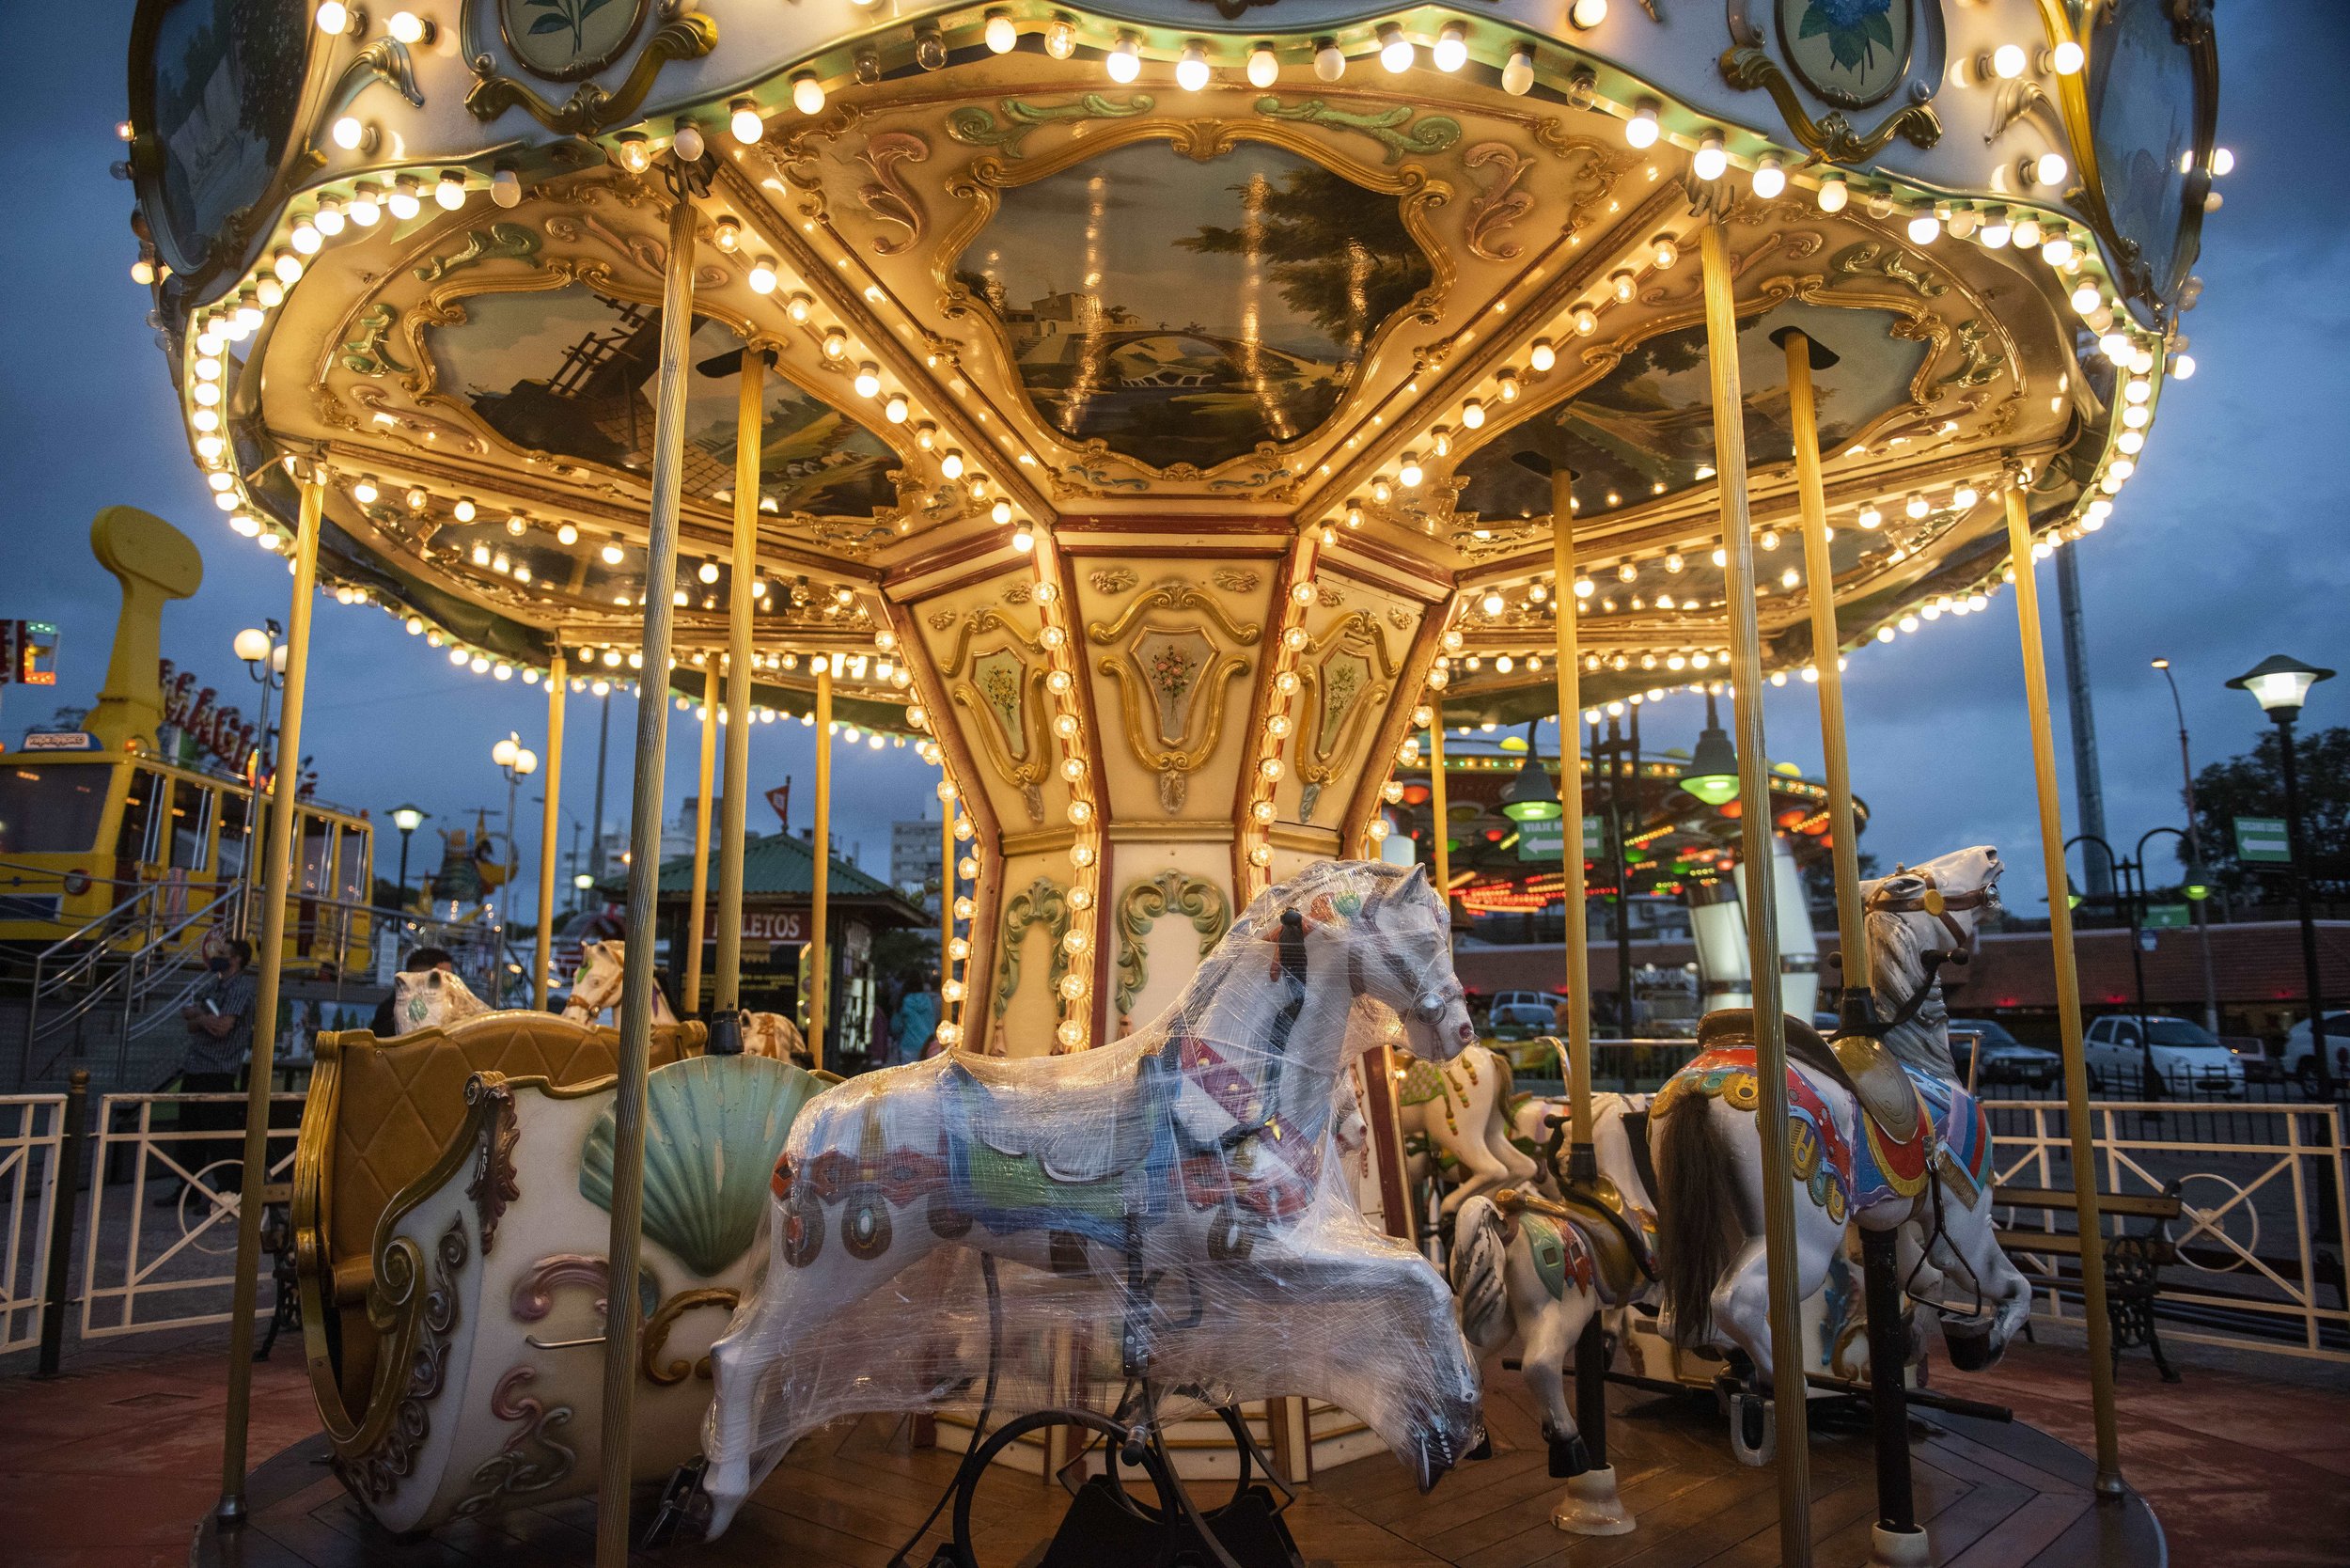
column 1521, row 1015
column 2300, row 1063
column 2189, row 1057
column 1985, row 1053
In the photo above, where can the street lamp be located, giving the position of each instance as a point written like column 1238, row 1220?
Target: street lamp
column 407, row 819
column 1712, row 775
column 2197, row 888
column 2132, row 875
column 517, row 762
column 2281, row 685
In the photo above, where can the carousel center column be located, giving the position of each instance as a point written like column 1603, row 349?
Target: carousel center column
column 1149, row 719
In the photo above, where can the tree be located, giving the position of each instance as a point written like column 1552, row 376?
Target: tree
column 1341, row 254
column 2252, row 785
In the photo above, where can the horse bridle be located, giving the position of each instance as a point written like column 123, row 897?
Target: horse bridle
column 1931, row 900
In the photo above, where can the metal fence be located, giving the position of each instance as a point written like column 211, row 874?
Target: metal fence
column 2264, row 1215
column 31, row 1127
column 144, row 1270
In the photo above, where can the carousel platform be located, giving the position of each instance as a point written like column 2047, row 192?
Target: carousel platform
column 1991, row 1495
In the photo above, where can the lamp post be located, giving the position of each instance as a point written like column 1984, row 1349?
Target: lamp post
column 2281, row 685
column 264, row 659
column 517, row 762
column 407, row 819
column 2130, row 882
column 2194, row 853
column 1712, row 775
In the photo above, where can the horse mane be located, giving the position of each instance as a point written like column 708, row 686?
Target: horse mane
column 1897, row 968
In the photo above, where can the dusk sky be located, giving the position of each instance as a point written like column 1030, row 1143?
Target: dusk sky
column 2227, row 546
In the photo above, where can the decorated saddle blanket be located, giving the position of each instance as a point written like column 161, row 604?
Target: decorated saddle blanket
column 1841, row 1158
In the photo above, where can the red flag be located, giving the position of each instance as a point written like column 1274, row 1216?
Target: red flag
column 780, row 798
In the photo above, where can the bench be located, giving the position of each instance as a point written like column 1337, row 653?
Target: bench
column 2133, row 1261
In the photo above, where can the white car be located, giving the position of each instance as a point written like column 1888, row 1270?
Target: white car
column 2301, row 1066
column 2191, row 1058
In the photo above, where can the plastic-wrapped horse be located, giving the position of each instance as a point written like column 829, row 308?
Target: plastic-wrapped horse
column 1164, row 1211
column 1890, row 1137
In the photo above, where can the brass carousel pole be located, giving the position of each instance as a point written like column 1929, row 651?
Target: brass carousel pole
column 550, row 835
column 1593, row 1505
column 1443, row 829
column 2086, row 1220
column 1888, row 1394
column 749, row 426
column 277, row 875
column 621, row 1324
column 945, row 902
column 1754, row 824
column 696, row 911
column 820, row 935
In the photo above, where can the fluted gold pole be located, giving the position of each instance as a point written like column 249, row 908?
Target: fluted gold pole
column 749, row 426
column 550, row 836
column 1754, row 824
column 2086, row 1217
column 945, row 904
column 820, row 947
column 1568, row 673
column 1436, row 797
column 277, row 875
column 622, row 1326
column 697, row 913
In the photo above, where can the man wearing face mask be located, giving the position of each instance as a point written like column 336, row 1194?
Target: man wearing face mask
column 219, row 1019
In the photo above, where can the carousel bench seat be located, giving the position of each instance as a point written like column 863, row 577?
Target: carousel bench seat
column 379, row 1114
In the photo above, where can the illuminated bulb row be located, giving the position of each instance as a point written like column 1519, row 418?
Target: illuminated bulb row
column 1083, row 810
column 1278, row 724
column 1192, row 71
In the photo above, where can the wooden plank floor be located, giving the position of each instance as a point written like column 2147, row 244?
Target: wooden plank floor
column 1990, row 1495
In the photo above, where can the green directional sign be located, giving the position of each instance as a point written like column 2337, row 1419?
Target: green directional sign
column 2263, row 839
column 1546, row 840
column 2166, row 917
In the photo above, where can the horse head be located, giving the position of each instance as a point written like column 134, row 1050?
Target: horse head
column 1391, row 934
column 1942, row 901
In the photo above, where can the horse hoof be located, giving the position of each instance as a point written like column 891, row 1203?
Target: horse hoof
column 1753, row 1430
column 1485, row 1448
column 1593, row 1505
column 1969, row 1352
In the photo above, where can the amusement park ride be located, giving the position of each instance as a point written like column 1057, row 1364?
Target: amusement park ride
column 1166, row 413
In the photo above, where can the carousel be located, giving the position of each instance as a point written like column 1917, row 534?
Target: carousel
column 1171, row 415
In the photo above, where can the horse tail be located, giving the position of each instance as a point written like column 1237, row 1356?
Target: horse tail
column 1480, row 1266
column 1698, row 1230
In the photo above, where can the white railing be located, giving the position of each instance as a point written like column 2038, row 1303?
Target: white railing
column 30, row 1124
column 135, row 1259
column 2258, row 1214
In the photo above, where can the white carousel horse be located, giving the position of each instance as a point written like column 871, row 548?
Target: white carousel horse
column 1536, row 1266
column 1458, row 1110
column 597, row 990
column 431, row 999
column 1870, row 1145
column 1168, row 1204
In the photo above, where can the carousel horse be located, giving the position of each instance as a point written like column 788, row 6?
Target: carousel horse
column 1536, row 1266
column 1171, row 1201
column 431, row 999
column 596, row 990
column 1886, row 1136
column 1456, row 1111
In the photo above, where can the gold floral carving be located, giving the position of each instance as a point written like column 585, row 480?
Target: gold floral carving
column 1008, row 695
column 1141, row 907
column 1233, row 579
column 1113, row 579
column 590, row 108
column 1173, row 680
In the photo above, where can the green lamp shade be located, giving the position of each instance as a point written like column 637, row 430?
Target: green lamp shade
column 1529, row 796
column 2198, row 884
column 1712, row 775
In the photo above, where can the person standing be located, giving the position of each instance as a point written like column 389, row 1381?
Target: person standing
column 219, row 1019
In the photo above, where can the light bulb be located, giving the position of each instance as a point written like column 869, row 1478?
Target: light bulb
column 688, row 144
column 403, row 203
column 1712, row 157
column 1585, row 321
column 1918, row 506
column 634, row 153
column 1451, row 50
column 2066, row 59
column 1191, row 71
column 799, row 307
column 868, row 379
column 408, row 27
column 762, row 278
column 1588, row 13
column 1641, row 130
column 506, row 190
column 330, row 217
column 1001, row 514
column 366, row 207
column 1061, row 38
column 364, row 493
column 1517, row 77
column 896, row 409
column 1473, row 414
column 1023, row 540
column 288, row 266
column 333, row 17
column 1924, row 229
column 1263, row 68
column 1408, row 476
column 567, row 533
column 707, row 571
column 2026, row 233
column 2222, row 161
column 1395, row 50
column 2086, row 298
column 836, row 343
column 2007, row 61
column 950, row 465
column 613, row 554
column 2183, row 365
column 1124, row 62
column 1541, row 357
column 1770, row 178
column 348, row 131
column 999, row 33
column 463, row 510
column 2057, row 251
column 1329, row 61
column 1834, row 192
column 2050, row 168
column 449, row 190
column 807, row 93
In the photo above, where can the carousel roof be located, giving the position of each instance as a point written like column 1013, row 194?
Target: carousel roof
column 1004, row 283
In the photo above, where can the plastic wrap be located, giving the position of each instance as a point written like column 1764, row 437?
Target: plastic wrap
column 1152, row 1226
